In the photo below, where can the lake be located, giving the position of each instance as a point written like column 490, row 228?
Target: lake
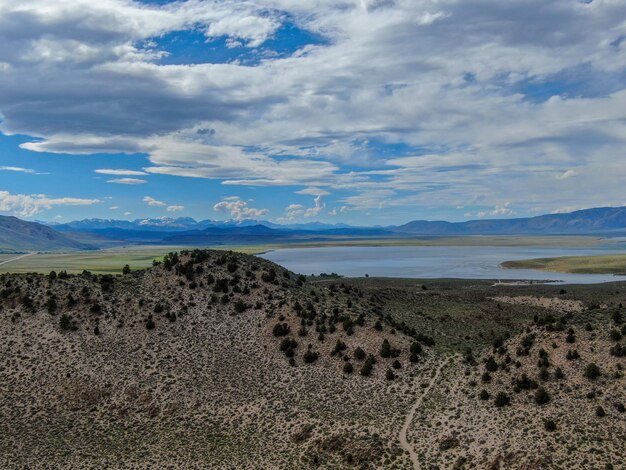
column 467, row 262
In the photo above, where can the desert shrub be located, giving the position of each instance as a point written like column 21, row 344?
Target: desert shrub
column 600, row 412
column 615, row 335
column 549, row 425
column 572, row 355
column 65, row 322
column 618, row 350
column 592, row 371
column 348, row 368
column 240, row 306
column 502, row 399
column 359, row 353
column 416, row 348
column 542, row 396
column 385, row 349
column 51, row 306
column 484, row 395
column 396, row 364
column 281, row 329
column 339, row 346
column 491, row 365
column 310, row 356
column 389, row 375
column 126, row 269
column 269, row 276
column 525, row 383
column 150, row 325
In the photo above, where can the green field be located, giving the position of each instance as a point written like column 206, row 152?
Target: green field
column 607, row 264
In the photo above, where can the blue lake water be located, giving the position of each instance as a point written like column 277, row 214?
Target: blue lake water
column 467, row 262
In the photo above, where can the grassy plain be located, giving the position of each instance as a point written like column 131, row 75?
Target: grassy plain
column 606, row 264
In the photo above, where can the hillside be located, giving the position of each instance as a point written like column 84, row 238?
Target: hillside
column 221, row 360
column 208, row 357
column 18, row 235
column 603, row 220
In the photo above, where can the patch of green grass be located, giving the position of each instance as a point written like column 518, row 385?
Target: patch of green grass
column 605, row 264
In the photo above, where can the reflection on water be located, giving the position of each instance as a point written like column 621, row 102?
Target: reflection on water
column 469, row 262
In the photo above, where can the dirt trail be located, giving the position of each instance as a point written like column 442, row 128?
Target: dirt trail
column 16, row 258
column 404, row 443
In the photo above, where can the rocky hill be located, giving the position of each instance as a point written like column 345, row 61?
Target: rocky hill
column 18, row 235
column 220, row 360
column 208, row 359
column 601, row 220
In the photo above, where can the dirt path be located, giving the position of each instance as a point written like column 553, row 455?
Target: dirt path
column 404, row 443
column 16, row 258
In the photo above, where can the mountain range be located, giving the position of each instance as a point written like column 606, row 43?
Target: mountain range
column 18, row 235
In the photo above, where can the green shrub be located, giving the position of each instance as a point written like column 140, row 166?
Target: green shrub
column 502, row 399
column 592, row 371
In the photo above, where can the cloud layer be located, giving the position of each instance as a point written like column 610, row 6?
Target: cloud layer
column 510, row 106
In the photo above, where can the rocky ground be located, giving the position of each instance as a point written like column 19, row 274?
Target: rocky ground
column 222, row 360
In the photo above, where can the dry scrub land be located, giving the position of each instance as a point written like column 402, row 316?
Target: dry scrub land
column 222, row 360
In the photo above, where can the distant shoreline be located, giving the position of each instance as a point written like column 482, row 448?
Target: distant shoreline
column 603, row 264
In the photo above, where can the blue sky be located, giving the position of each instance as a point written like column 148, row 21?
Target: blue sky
column 363, row 112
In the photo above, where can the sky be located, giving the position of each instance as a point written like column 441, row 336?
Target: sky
column 367, row 112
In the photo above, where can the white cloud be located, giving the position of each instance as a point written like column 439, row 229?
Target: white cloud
column 499, row 211
column 114, row 208
column 239, row 209
column 175, row 208
column 445, row 76
column 128, row 181
column 28, row 205
column 153, row 202
column 295, row 211
column 107, row 171
column 317, row 209
column 313, row 192
column 16, row 169
column 567, row 174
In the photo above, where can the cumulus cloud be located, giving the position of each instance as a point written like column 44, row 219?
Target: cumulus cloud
column 28, row 205
column 499, row 211
column 295, row 211
column 239, row 209
column 175, row 208
column 153, row 202
column 127, row 181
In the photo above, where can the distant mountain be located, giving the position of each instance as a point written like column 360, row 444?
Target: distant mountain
column 603, row 220
column 263, row 234
column 159, row 224
column 18, row 235
column 187, row 231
